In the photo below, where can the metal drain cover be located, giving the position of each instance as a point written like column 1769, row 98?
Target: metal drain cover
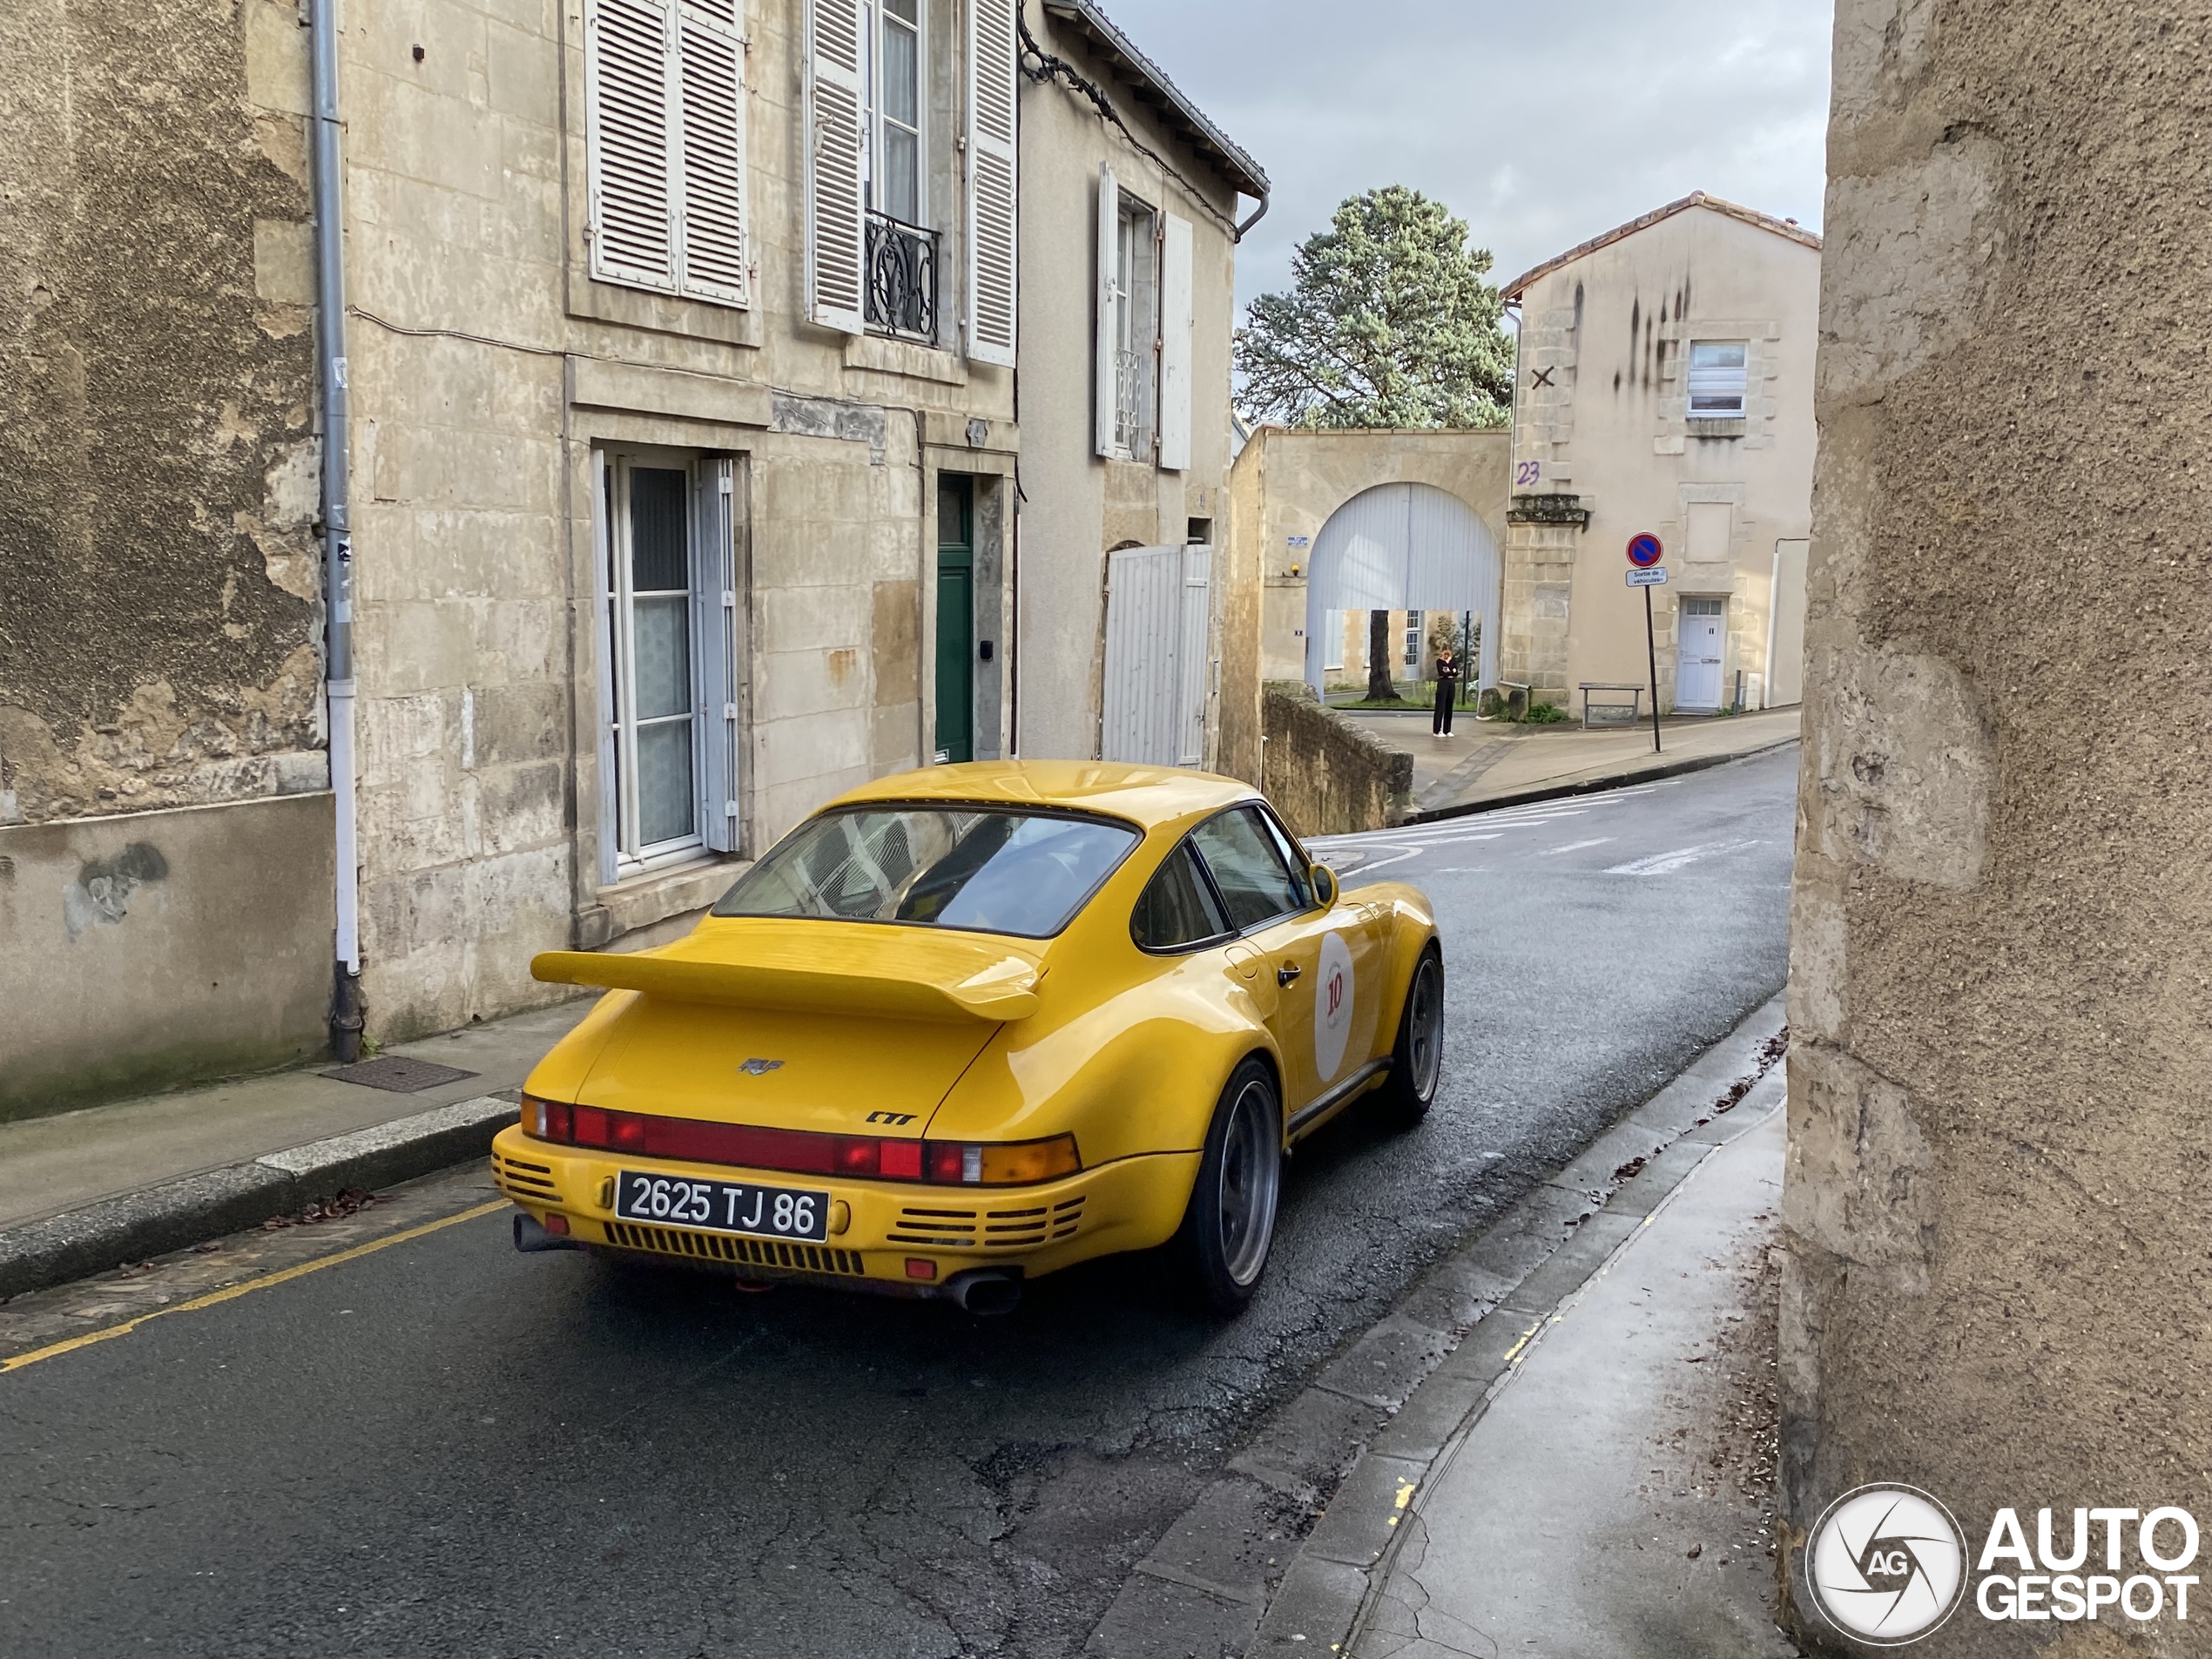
column 398, row 1074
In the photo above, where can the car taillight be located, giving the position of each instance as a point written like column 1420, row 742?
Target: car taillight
column 1024, row 1162
column 801, row 1151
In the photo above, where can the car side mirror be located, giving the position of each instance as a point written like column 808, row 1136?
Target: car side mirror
column 1325, row 886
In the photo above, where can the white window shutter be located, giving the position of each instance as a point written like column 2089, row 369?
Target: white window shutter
column 629, row 141
column 1110, row 228
column 711, row 115
column 714, row 593
column 836, row 216
column 1175, row 345
column 993, row 110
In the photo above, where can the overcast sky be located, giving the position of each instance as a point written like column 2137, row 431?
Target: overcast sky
column 1540, row 125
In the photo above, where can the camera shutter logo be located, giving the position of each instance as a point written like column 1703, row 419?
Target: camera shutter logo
column 1886, row 1564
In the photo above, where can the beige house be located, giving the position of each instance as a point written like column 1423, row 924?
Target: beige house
column 679, row 338
column 1130, row 223
column 1665, row 386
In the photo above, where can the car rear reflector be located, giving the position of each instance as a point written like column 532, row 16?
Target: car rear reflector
column 802, row 1151
column 920, row 1267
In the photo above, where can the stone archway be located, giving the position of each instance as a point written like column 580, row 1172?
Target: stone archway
column 1404, row 546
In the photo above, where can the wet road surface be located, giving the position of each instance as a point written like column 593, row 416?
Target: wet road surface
column 441, row 1446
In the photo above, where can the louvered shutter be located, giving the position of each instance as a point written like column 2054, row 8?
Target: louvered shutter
column 1175, row 344
column 992, row 109
column 711, row 76
column 629, row 141
column 714, row 601
column 836, row 219
column 1110, row 227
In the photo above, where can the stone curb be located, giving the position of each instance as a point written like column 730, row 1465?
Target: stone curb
column 179, row 1214
column 1366, row 1433
column 1592, row 785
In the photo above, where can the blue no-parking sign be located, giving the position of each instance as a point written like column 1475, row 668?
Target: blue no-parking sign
column 1644, row 550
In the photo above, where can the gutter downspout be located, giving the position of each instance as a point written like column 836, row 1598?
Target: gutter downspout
column 1259, row 213
column 337, row 528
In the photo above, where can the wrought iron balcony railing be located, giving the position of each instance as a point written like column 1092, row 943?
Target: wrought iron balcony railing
column 902, row 279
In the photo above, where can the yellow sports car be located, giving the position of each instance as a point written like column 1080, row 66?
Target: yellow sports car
column 976, row 1023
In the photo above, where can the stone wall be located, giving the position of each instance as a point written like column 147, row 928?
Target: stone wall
column 1995, row 1218
column 165, row 833
column 1325, row 775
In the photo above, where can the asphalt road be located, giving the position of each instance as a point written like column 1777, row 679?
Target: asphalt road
column 444, row 1447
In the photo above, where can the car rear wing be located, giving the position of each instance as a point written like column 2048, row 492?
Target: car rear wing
column 892, row 975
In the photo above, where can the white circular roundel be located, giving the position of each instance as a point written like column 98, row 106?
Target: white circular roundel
column 1332, row 1006
column 1886, row 1564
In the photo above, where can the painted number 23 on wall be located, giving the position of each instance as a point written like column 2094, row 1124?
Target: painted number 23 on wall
column 1525, row 473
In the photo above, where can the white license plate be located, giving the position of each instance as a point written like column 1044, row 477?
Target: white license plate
column 722, row 1206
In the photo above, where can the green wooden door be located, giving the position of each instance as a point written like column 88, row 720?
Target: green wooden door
column 956, row 618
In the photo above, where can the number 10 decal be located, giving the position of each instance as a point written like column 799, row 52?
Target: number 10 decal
column 1332, row 1007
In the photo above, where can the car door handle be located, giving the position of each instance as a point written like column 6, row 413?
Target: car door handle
column 1287, row 973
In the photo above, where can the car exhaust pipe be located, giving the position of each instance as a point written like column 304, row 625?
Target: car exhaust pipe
column 531, row 1235
column 985, row 1293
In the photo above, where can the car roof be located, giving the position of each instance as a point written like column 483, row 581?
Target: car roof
column 1146, row 795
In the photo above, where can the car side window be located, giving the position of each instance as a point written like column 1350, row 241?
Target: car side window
column 1248, row 867
column 1178, row 909
column 1291, row 857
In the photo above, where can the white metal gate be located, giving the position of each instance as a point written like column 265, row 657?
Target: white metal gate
column 1158, row 622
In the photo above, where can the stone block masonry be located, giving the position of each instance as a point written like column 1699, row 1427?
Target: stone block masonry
column 1994, row 1212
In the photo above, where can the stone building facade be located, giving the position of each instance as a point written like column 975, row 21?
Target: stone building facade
column 682, row 338
column 1665, row 385
column 1128, row 243
column 1993, row 1210
column 165, row 879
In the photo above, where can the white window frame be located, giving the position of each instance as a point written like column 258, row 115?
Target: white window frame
column 628, row 856
column 879, row 22
column 1413, row 621
column 1723, row 376
column 1136, row 289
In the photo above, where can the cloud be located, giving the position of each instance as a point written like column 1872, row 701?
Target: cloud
column 1540, row 125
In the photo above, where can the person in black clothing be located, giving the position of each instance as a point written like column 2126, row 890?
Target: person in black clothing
column 1447, row 691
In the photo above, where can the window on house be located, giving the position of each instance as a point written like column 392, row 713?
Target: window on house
column 894, row 114
column 1332, row 639
column 1414, row 641
column 670, row 704
column 664, row 130
column 1136, row 325
column 1719, row 377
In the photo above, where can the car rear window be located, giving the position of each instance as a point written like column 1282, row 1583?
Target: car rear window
column 972, row 868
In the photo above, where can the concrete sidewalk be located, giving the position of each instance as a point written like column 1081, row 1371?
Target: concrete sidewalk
column 1486, row 763
column 1614, row 1498
column 84, row 1192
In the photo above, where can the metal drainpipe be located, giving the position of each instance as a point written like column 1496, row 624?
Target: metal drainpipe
column 1258, row 214
column 337, row 528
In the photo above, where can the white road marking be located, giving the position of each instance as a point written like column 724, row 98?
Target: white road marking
column 1667, row 863
column 1574, row 846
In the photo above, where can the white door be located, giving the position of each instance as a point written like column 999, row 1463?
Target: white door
column 1697, row 670
column 1157, row 628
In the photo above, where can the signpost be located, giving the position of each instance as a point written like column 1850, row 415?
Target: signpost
column 1646, row 572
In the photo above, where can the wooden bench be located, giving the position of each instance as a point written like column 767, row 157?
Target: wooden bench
column 1612, row 711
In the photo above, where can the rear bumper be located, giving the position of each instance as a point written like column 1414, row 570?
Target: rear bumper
column 1131, row 1204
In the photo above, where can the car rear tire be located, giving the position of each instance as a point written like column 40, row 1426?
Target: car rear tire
column 1229, row 1225
column 1417, row 1062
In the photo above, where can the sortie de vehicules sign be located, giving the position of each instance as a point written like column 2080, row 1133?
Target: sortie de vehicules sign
column 1646, row 572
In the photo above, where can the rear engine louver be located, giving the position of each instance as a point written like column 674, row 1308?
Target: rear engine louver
column 741, row 1252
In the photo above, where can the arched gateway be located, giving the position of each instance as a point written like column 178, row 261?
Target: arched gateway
column 1411, row 547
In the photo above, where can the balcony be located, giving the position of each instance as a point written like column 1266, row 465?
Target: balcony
column 902, row 280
